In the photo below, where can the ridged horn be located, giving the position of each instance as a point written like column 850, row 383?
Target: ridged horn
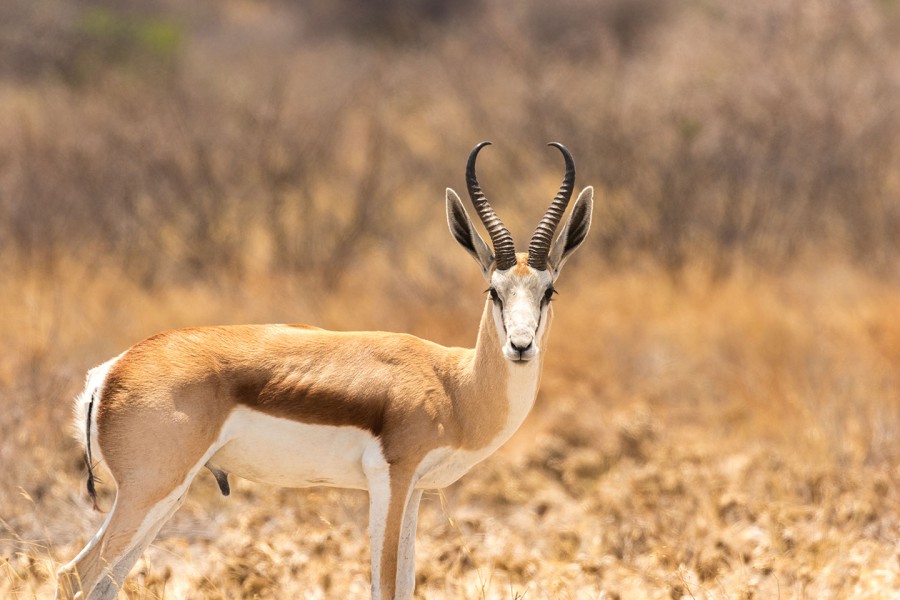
column 504, row 249
column 539, row 247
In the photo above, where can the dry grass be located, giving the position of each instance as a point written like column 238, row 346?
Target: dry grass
column 721, row 439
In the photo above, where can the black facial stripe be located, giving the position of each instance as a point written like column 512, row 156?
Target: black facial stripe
column 495, row 297
column 540, row 318
column 502, row 320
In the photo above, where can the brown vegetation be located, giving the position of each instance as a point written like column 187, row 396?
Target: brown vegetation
column 720, row 411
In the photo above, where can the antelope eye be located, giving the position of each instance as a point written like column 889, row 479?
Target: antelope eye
column 548, row 295
column 494, row 295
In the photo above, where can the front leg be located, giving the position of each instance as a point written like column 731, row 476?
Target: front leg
column 390, row 492
column 406, row 562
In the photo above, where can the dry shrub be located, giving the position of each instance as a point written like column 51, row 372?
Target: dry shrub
column 258, row 140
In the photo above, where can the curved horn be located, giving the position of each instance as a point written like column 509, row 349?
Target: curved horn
column 539, row 247
column 504, row 249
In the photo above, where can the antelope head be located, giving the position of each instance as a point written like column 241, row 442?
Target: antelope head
column 521, row 285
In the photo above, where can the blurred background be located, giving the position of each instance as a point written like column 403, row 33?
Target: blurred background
column 720, row 412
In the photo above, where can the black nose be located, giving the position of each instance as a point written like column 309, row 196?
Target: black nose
column 519, row 349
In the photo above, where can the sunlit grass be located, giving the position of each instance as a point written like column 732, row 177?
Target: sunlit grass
column 705, row 438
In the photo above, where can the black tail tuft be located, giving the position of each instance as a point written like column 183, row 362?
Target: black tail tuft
column 91, row 488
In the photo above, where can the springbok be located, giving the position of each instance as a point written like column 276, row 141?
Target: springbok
column 300, row 406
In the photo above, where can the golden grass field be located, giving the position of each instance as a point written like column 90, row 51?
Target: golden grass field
column 728, row 439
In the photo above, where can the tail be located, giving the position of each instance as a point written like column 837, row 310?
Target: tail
column 85, row 408
column 91, row 488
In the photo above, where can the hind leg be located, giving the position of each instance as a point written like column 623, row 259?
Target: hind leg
column 129, row 552
column 153, row 441
column 143, row 505
column 68, row 577
column 125, row 565
column 98, row 571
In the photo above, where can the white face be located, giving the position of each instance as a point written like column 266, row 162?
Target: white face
column 521, row 298
column 520, row 295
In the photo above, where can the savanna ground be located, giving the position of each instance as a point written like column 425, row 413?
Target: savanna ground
column 720, row 410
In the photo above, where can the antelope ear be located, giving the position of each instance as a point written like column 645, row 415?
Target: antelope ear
column 573, row 232
column 464, row 231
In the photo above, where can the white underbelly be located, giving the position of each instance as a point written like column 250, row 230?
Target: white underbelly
column 282, row 452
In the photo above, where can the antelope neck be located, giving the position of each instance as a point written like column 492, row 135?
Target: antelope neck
column 490, row 387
